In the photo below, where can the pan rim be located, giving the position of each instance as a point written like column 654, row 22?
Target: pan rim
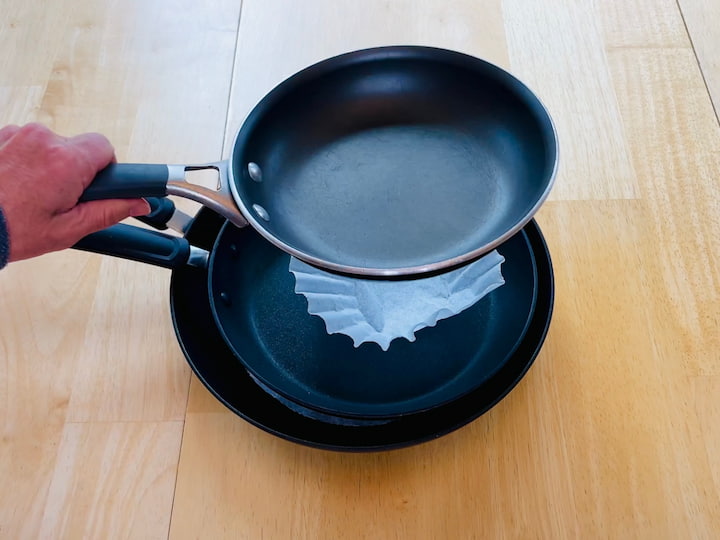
column 551, row 141
column 349, row 409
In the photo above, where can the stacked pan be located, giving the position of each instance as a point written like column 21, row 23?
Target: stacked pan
column 390, row 163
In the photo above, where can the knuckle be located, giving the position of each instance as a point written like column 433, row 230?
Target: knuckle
column 35, row 133
column 47, row 149
column 93, row 151
column 99, row 138
column 100, row 219
column 10, row 128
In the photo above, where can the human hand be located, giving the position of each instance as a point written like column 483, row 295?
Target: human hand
column 42, row 176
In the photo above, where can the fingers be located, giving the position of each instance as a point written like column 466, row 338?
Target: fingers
column 35, row 136
column 88, row 217
column 95, row 149
column 7, row 133
column 29, row 138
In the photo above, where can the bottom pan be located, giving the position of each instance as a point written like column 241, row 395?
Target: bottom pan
column 226, row 378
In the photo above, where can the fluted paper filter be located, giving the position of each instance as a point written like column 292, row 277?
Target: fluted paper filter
column 380, row 311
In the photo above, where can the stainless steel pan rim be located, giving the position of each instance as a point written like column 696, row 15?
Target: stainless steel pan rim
column 327, row 65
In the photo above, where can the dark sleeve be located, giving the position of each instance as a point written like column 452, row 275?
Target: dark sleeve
column 4, row 241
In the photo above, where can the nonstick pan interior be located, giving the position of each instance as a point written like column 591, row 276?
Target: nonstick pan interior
column 394, row 158
column 271, row 332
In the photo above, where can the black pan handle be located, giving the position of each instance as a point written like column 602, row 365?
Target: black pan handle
column 142, row 245
column 161, row 210
column 128, row 181
column 133, row 180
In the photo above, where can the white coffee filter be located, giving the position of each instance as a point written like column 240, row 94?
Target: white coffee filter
column 380, row 311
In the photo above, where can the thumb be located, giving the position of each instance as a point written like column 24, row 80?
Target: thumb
column 88, row 217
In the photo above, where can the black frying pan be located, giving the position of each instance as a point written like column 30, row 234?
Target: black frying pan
column 382, row 162
column 289, row 352
column 227, row 379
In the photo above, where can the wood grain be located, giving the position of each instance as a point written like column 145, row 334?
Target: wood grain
column 278, row 38
column 704, row 391
column 82, row 337
column 557, row 49
column 39, row 348
column 675, row 144
column 649, row 24
column 612, row 433
column 701, row 18
column 113, row 479
column 630, row 441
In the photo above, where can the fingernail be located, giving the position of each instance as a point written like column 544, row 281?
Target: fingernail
column 140, row 208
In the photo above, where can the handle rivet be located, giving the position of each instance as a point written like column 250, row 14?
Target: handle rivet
column 260, row 211
column 255, row 171
column 225, row 297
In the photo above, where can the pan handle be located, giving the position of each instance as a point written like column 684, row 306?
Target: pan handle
column 128, row 181
column 161, row 211
column 142, row 245
column 164, row 215
column 134, row 180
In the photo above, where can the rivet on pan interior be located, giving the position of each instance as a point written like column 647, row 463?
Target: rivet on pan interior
column 255, row 171
column 260, row 211
column 233, row 250
column 225, row 297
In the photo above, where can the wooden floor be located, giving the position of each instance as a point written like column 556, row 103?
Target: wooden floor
column 614, row 432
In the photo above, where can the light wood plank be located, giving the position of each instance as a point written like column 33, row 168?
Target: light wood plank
column 628, row 398
column 675, row 144
column 702, row 18
column 84, row 337
column 200, row 400
column 39, row 348
column 113, row 480
column 279, row 38
column 557, row 48
column 130, row 367
column 654, row 24
column 408, row 493
column 704, row 391
column 20, row 103
column 28, row 31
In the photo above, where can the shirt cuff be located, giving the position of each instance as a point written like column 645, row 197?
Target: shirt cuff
column 4, row 241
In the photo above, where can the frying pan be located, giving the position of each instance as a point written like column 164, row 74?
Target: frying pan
column 231, row 384
column 288, row 351
column 390, row 161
